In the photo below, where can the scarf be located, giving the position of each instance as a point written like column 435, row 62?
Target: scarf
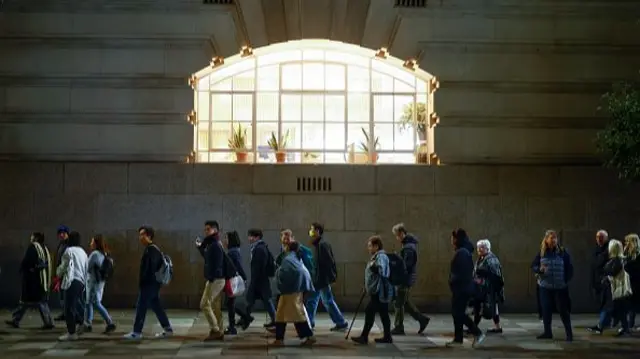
column 44, row 260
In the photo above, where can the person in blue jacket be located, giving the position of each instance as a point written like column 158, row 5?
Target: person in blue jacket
column 554, row 270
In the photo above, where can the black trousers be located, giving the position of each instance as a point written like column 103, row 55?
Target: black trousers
column 42, row 306
column 73, row 313
column 376, row 306
column 477, row 313
column 459, row 304
column 556, row 298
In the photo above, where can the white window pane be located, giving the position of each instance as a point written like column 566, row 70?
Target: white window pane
column 291, row 108
column 335, row 136
column 312, row 76
column 396, row 158
column 355, row 135
column 203, row 138
column 399, row 86
column 398, row 73
column 334, row 107
column 384, row 133
column 244, row 81
column 335, row 77
column 313, row 136
column 346, row 58
column 202, row 112
column 221, row 107
column 313, row 108
column 421, row 86
column 231, row 70
column 222, row 157
column 404, row 138
column 220, row 134
column 312, row 157
column 263, row 134
column 268, row 78
column 295, row 136
column 203, row 83
column 223, row 85
column 267, row 107
column 383, row 108
column 292, row 76
column 381, row 82
column 278, row 57
column 203, row 157
column 358, row 78
column 358, row 108
column 335, row 157
column 313, row 55
column 242, row 108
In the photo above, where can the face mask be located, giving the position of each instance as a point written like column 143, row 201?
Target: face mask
column 311, row 233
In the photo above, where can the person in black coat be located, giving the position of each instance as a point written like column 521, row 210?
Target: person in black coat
column 262, row 269
column 462, row 288
column 214, row 274
column 36, row 268
column 232, row 243
column 599, row 260
column 632, row 266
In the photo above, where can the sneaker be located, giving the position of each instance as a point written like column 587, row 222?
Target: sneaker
column 478, row 339
column 269, row 325
column 423, row 325
column 397, row 331
column 494, row 331
column 167, row 333
column 87, row 328
column 453, row 344
column 12, row 324
column 340, row 327
column 244, row 324
column 68, row 337
column 133, row 336
column 360, row 340
column 383, row 340
column 277, row 343
column 110, row 328
column 595, row 330
column 309, row 341
column 231, row 331
column 622, row 333
column 214, row 335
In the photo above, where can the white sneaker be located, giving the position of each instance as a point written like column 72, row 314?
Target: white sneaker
column 164, row 334
column 66, row 337
column 478, row 340
column 133, row 336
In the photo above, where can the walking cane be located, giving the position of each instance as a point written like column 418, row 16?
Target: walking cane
column 356, row 313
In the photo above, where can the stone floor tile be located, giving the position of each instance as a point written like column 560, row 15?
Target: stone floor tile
column 33, row 346
column 65, row 353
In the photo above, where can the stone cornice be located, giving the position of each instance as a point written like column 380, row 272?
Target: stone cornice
column 528, row 48
column 110, row 6
column 60, row 42
column 165, row 118
column 531, row 122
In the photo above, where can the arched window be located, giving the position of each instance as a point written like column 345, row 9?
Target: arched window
column 313, row 101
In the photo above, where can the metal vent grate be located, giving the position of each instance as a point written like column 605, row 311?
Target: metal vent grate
column 314, row 184
column 218, row 2
column 411, row 3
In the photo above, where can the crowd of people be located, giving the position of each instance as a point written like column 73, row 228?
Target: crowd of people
column 304, row 273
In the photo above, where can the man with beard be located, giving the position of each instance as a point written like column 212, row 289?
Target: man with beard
column 36, row 275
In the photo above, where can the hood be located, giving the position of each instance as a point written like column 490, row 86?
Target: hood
column 410, row 239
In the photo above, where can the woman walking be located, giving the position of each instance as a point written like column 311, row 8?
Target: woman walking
column 554, row 270
column 232, row 243
column 380, row 291
column 95, row 284
column 73, row 273
column 293, row 281
column 632, row 254
column 488, row 276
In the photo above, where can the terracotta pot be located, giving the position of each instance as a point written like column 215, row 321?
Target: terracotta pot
column 422, row 158
column 241, row 157
column 281, row 157
column 373, row 159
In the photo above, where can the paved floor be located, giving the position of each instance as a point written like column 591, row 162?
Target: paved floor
column 518, row 341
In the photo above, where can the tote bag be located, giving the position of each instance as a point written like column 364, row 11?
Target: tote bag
column 234, row 287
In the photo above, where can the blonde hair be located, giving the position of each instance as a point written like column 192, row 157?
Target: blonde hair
column 615, row 249
column 543, row 245
column 632, row 246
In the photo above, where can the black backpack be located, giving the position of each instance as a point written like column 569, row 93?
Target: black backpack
column 106, row 269
column 229, row 268
column 398, row 274
column 271, row 263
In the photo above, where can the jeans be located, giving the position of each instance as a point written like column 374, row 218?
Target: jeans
column 43, row 308
column 402, row 304
column 376, row 306
column 619, row 312
column 459, row 302
column 94, row 299
column 559, row 297
column 73, row 312
column 268, row 305
column 326, row 296
column 149, row 298
column 303, row 329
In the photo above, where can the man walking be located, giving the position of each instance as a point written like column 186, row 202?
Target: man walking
column 324, row 274
column 63, row 237
column 409, row 254
column 210, row 304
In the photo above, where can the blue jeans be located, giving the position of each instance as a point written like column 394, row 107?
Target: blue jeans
column 94, row 292
column 149, row 298
column 329, row 304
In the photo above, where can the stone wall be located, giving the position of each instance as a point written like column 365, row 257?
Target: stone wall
column 510, row 205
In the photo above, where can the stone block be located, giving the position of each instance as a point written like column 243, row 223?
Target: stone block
column 408, row 180
column 283, row 178
column 467, row 180
column 78, row 211
column 350, row 246
column 95, row 178
column 558, row 213
column 40, row 177
column 130, row 100
column 374, row 213
column 299, row 211
column 593, row 181
column 354, row 281
column 484, row 216
column 17, row 210
column 433, row 278
column 37, row 99
column 259, row 211
column 451, row 211
column 526, row 180
column 420, row 213
column 160, row 178
column 222, row 179
column 618, row 215
column 169, row 212
column 519, row 246
column 513, row 211
column 434, row 245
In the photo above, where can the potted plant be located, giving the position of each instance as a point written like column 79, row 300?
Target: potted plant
column 372, row 155
column 278, row 145
column 419, row 123
column 238, row 143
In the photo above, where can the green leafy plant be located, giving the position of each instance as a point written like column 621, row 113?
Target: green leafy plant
column 278, row 144
column 238, row 140
column 364, row 145
column 619, row 142
column 419, row 123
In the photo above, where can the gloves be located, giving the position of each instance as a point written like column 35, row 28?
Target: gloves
column 56, row 284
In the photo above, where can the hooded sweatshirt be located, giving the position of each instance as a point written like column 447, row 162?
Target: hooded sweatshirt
column 409, row 254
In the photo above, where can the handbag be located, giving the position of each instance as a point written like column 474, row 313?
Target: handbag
column 234, row 287
column 620, row 285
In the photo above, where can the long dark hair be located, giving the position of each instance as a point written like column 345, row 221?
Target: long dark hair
column 74, row 239
column 294, row 247
column 233, row 239
column 100, row 244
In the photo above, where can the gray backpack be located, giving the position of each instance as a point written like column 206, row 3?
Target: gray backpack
column 165, row 273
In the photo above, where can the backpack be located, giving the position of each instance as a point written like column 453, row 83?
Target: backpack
column 398, row 273
column 228, row 268
column 165, row 273
column 307, row 258
column 106, row 269
column 271, row 264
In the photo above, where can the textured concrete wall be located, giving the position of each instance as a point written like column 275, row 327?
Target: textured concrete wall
column 510, row 205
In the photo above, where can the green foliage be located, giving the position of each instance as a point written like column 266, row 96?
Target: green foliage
column 278, row 144
column 419, row 123
column 619, row 142
column 364, row 145
column 238, row 140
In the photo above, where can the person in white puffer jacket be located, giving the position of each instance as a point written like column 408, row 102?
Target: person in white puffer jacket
column 73, row 273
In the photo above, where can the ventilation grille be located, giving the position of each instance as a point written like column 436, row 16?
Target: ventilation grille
column 314, row 184
column 218, row 2
column 411, row 3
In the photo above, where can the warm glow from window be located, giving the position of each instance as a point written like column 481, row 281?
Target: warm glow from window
column 322, row 93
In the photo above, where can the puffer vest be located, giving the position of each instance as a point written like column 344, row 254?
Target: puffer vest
column 554, row 277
